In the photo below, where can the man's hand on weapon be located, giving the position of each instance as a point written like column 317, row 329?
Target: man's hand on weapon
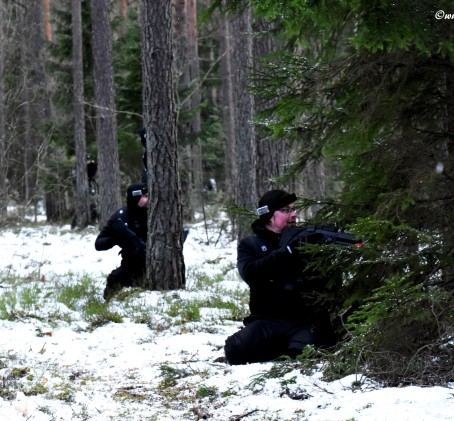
column 128, row 240
column 297, row 236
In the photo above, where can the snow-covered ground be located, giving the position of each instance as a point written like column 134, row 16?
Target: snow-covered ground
column 55, row 365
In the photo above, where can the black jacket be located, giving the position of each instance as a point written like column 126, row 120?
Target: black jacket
column 128, row 230
column 279, row 288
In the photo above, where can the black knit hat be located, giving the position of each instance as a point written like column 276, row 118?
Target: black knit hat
column 134, row 193
column 272, row 201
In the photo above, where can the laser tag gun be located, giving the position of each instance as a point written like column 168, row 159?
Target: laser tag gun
column 319, row 234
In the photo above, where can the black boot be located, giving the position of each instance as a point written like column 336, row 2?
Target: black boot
column 112, row 287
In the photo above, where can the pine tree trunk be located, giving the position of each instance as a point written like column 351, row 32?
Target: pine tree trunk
column 244, row 133
column 28, row 157
column 187, row 66
column 47, row 19
column 106, row 122
column 3, row 164
column 81, row 217
column 196, row 124
column 123, row 8
column 273, row 156
column 165, row 263
column 184, row 129
column 38, row 108
column 228, row 117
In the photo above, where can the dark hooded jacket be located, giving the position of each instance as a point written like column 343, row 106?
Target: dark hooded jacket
column 126, row 228
column 279, row 289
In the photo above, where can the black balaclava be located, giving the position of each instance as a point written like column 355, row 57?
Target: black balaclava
column 134, row 193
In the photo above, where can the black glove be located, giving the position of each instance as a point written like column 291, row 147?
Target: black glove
column 294, row 239
column 291, row 236
column 288, row 237
column 296, row 246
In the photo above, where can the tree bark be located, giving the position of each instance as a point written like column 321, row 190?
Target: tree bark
column 273, row 157
column 123, row 8
column 82, row 206
column 3, row 166
column 165, row 263
column 187, row 67
column 181, row 45
column 244, row 130
column 228, row 116
column 29, row 152
column 106, row 122
column 195, row 99
column 38, row 107
column 47, row 18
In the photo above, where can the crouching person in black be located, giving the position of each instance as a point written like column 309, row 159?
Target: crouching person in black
column 127, row 228
column 284, row 315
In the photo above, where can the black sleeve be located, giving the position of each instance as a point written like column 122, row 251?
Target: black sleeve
column 256, row 265
column 111, row 233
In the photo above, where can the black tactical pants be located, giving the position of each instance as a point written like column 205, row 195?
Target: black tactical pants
column 126, row 275
column 265, row 340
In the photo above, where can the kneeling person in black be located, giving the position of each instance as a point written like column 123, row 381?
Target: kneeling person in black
column 127, row 228
column 284, row 316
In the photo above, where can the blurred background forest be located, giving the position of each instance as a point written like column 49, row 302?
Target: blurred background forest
column 216, row 108
column 347, row 103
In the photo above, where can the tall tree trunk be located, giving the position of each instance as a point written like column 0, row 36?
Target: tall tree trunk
column 3, row 167
column 181, row 46
column 228, row 115
column 245, row 138
column 165, row 263
column 38, row 108
column 25, row 111
column 443, row 155
column 273, row 157
column 123, row 8
column 106, row 122
column 196, row 124
column 121, row 29
column 47, row 19
column 82, row 206
column 187, row 66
